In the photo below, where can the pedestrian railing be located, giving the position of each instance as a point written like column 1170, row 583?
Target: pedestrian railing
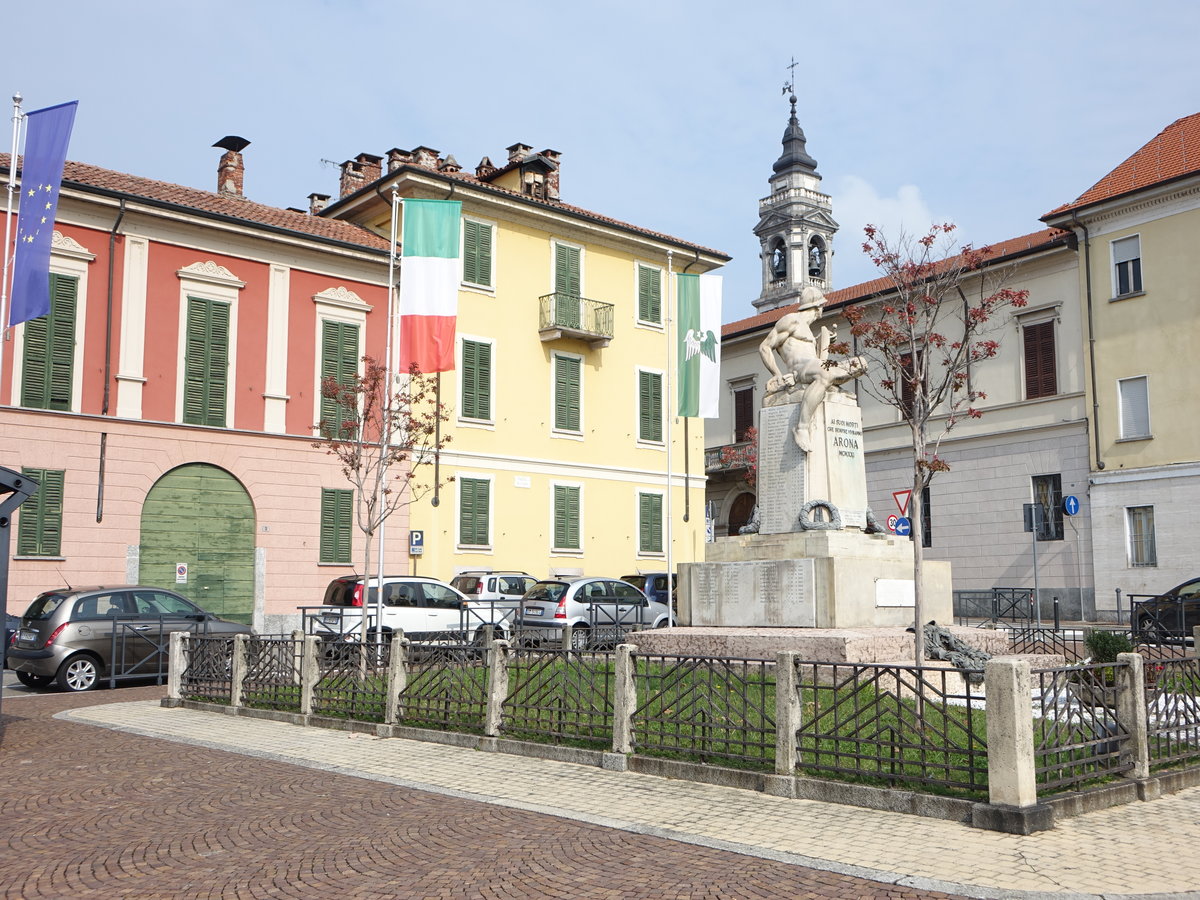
column 1078, row 735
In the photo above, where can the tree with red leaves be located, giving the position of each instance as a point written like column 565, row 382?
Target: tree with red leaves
column 922, row 338
column 385, row 438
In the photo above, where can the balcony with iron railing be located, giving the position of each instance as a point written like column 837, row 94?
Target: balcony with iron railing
column 728, row 458
column 568, row 316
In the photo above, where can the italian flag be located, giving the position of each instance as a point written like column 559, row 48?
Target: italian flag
column 699, row 344
column 429, row 279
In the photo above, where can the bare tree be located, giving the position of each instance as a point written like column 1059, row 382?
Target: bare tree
column 922, row 337
column 385, row 438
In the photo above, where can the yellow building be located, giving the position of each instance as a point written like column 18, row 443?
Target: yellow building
column 560, row 405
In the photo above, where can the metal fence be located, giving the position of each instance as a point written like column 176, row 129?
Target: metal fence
column 705, row 708
column 353, row 681
column 998, row 604
column 272, row 678
column 446, row 686
column 560, row 696
column 208, row 669
column 1071, row 643
column 890, row 724
column 1173, row 710
column 1077, row 736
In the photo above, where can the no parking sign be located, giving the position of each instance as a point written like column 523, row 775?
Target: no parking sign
column 181, row 573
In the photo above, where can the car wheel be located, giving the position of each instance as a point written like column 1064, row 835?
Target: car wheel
column 79, row 673
column 1150, row 630
column 579, row 637
column 35, row 681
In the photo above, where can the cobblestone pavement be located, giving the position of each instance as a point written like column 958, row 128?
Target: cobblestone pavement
column 239, row 807
column 95, row 812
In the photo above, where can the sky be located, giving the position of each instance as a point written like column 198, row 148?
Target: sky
column 668, row 114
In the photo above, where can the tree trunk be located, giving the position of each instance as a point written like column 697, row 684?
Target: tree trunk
column 918, row 531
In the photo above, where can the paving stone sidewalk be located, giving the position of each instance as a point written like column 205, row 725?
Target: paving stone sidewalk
column 1143, row 849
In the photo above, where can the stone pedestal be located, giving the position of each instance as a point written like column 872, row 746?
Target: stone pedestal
column 813, row 579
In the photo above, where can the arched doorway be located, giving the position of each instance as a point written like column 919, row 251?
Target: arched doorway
column 200, row 516
column 740, row 512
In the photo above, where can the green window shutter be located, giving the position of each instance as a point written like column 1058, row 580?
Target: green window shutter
column 566, row 393
column 649, row 295
column 339, row 361
column 473, row 511
column 477, row 253
column 39, row 532
column 337, row 510
column 49, row 349
column 649, row 406
column 476, row 380
column 206, row 362
column 566, row 270
column 650, row 523
column 566, row 517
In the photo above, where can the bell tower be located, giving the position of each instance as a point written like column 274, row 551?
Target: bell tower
column 795, row 223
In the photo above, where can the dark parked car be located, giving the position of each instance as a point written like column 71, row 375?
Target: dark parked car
column 77, row 636
column 11, row 624
column 1173, row 614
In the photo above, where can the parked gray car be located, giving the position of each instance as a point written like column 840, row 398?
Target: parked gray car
column 77, row 636
column 599, row 611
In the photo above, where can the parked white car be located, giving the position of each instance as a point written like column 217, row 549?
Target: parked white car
column 599, row 611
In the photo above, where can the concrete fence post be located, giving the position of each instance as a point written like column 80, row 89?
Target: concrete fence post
column 1131, row 714
column 397, row 678
column 624, row 699
column 237, row 670
column 788, row 712
column 309, row 674
column 565, row 637
column 176, row 662
column 498, row 653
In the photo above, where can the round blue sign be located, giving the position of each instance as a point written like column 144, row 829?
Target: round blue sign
column 1071, row 505
column 903, row 527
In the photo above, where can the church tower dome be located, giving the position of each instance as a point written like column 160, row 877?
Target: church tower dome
column 795, row 223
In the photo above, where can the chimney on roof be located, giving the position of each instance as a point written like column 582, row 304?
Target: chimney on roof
column 316, row 203
column 231, row 170
column 552, row 176
column 396, row 158
column 358, row 172
column 485, row 168
column 450, row 164
column 517, row 152
column 426, row 156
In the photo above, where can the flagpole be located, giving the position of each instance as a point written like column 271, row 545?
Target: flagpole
column 673, row 404
column 8, row 255
column 386, row 418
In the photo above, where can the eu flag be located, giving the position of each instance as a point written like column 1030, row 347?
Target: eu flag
column 47, row 133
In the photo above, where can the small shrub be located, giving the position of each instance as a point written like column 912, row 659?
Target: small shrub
column 1103, row 646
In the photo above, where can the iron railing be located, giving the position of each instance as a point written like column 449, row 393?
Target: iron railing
column 998, row 604
column 272, row 679
column 894, row 725
column 1173, row 710
column 353, row 681
column 561, row 696
column 446, row 687
column 575, row 315
column 1072, row 642
column 1077, row 736
column 1161, row 619
column 705, row 708
column 208, row 669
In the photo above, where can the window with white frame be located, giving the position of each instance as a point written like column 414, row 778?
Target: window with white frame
column 1139, row 522
column 650, row 406
column 649, row 294
column 568, row 393
column 650, row 523
column 1134, row 397
column 475, row 370
column 477, row 254
column 1127, row 265
column 474, row 511
column 567, row 515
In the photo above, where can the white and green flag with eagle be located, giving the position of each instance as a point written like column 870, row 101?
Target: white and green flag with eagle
column 699, row 339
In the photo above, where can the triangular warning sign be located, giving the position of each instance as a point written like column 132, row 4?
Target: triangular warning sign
column 901, row 498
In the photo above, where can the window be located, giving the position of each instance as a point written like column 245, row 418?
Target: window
column 567, row 375
column 1127, row 265
column 1139, row 521
column 206, row 362
column 48, row 357
column 1041, row 379
column 474, row 506
column 649, row 295
column 40, row 530
column 567, row 270
column 650, row 407
column 337, row 511
column 477, row 253
column 926, row 518
column 476, row 400
column 743, row 413
column 650, row 525
column 1047, row 507
column 566, row 517
column 1134, row 395
column 339, row 361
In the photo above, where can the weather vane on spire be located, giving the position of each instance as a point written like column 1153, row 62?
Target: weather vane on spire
column 789, row 86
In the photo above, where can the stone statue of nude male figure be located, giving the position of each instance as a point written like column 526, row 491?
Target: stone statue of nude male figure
column 804, row 375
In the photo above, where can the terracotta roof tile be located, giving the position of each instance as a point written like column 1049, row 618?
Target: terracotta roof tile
column 84, row 175
column 1172, row 153
column 1001, row 251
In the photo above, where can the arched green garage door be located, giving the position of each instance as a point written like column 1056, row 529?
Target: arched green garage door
column 202, row 516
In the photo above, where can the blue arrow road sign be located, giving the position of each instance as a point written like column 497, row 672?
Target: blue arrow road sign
column 903, row 527
column 1071, row 505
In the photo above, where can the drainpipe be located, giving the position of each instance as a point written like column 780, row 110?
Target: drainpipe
column 1087, row 270
column 108, row 322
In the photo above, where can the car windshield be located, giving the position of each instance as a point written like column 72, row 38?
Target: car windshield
column 45, row 605
column 547, row 590
column 638, row 581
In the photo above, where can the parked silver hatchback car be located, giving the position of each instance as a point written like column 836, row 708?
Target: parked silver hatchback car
column 78, row 636
column 599, row 611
